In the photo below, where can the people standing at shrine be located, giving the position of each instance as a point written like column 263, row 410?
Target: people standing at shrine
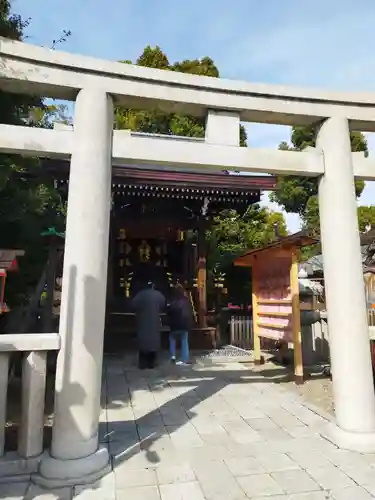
column 181, row 321
column 148, row 304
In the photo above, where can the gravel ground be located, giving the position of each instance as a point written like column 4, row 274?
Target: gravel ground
column 316, row 391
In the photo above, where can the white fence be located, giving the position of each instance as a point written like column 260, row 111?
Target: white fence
column 241, row 331
column 315, row 343
column 34, row 349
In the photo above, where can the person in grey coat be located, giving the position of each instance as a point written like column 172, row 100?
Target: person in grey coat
column 147, row 305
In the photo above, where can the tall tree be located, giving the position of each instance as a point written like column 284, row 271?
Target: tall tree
column 299, row 194
column 233, row 234
column 366, row 217
column 163, row 123
column 28, row 203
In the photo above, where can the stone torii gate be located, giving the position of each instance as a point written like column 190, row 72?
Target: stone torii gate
column 93, row 146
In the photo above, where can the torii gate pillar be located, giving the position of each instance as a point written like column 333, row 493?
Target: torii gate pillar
column 353, row 386
column 75, row 452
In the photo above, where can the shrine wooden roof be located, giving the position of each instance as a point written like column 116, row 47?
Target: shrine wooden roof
column 8, row 258
column 224, row 182
column 202, row 180
column 288, row 243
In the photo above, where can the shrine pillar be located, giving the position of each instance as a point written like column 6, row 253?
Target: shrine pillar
column 186, row 262
column 202, row 275
column 74, row 451
column 353, row 387
column 111, row 263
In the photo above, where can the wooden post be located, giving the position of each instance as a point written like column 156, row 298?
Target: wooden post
column 296, row 319
column 4, row 364
column 258, row 358
column 111, row 260
column 47, row 313
column 185, row 270
column 202, row 276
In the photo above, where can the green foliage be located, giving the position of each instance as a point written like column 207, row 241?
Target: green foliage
column 157, row 122
column 310, row 251
column 11, row 25
column 366, row 217
column 232, row 234
column 44, row 115
column 28, row 203
column 202, row 67
column 153, row 58
column 299, row 194
column 311, row 215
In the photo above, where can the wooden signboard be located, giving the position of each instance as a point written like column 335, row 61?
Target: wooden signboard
column 275, row 295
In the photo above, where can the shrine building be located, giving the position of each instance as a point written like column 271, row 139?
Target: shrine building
column 157, row 233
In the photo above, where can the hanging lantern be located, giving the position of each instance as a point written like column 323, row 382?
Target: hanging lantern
column 180, row 235
column 122, row 234
column 219, row 280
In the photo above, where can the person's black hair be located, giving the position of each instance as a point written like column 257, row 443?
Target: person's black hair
column 179, row 290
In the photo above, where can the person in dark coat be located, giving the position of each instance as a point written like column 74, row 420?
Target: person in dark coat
column 181, row 320
column 147, row 305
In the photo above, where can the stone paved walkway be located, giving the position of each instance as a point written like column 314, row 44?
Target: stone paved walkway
column 225, row 432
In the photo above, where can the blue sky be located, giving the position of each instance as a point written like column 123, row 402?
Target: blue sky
column 325, row 43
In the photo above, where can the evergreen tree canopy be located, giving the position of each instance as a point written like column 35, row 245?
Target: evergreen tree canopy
column 231, row 234
column 299, row 194
column 28, row 204
column 31, row 204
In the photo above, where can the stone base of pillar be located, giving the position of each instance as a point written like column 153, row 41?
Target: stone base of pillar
column 55, row 473
column 361, row 442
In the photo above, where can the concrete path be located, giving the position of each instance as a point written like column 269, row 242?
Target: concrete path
column 225, row 432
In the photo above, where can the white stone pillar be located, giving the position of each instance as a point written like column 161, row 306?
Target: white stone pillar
column 353, row 389
column 74, row 451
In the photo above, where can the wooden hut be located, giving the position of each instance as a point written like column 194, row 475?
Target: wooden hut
column 275, row 294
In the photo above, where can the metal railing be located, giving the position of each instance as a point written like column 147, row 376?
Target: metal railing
column 34, row 348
